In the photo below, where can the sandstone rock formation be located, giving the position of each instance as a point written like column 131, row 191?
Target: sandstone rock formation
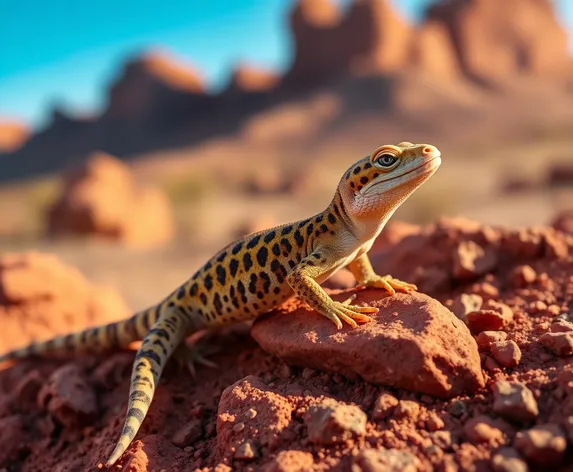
column 369, row 38
column 153, row 89
column 12, row 135
column 41, row 297
column 101, row 199
column 498, row 39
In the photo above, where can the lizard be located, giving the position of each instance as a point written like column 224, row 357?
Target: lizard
column 260, row 271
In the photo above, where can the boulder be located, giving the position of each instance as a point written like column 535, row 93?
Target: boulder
column 413, row 342
column 101, row 199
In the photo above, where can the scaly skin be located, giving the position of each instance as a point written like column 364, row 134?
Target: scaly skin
column 255, row 274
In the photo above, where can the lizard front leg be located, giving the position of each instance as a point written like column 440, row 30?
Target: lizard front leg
column 302, row 280
column 364, row 274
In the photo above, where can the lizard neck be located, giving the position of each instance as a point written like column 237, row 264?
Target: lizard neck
column 364, row 228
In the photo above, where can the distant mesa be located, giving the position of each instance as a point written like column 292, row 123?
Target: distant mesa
column 366, row 57
column 13, row 134
column 152, row 86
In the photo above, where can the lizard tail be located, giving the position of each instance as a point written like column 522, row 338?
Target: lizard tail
column 156, row 348
column 112, row 335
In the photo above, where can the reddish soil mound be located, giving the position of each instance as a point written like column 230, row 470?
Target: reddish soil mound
column 257, row 413
column 41, row 297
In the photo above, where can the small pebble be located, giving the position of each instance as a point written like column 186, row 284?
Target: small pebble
column 308, row 373
column 407, row 409
column 514, row 401
column 246, row 451
column 486, row 338
column 483, row 429
column 560, row 343
column 332, row 422
column 384, row 406
column 542, row 444
column 523, row 276
column 507, row 459
column 506, row 353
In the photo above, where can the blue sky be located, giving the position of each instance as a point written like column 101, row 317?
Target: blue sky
column 60, row 52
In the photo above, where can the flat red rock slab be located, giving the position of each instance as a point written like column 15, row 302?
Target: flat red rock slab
column 414, row 343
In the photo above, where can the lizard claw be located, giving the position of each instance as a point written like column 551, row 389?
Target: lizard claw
column 189, row 357
column 389, row 284
column 351, row 314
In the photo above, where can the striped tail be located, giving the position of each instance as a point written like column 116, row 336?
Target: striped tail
column 156, row 348
column 112, row 335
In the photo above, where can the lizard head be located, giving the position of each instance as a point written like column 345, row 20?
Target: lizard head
column 376, row 185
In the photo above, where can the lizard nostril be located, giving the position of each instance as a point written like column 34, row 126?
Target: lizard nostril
column 428, row 150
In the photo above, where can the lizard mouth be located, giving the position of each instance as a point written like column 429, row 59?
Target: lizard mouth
column 428, row 167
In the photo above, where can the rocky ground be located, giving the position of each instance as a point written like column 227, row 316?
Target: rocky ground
column 473, row 373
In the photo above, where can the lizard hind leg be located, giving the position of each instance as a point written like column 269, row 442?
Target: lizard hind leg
column 156, row 348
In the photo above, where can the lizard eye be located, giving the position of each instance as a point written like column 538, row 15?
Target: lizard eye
column 386, row 160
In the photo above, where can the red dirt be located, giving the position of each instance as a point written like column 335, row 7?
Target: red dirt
column 257, row 413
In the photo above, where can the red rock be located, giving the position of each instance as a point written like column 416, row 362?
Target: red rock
column 434, row 422
column 246, row 451
column 384, row 406
column 507, row 459
column 471, row 260
column 492, row 317
column 426, row 349
column 486, row 338
column 12, row 435
column 561, row 343
column 561, row 326
column 331, row 423
column 514, row 401
column 188, row 434
column 393, row 233
column 483, row 429
column 523, row 275
column 385, row 460
column 69, row 397
column 290, row 461
column 101, row 199
column 272, row 417
column 466, row 303
column 543, row 444
column 491, row 365
column 407, row 409
column 506, row 353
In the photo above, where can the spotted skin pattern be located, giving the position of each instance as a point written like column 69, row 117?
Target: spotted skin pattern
column 257, row 273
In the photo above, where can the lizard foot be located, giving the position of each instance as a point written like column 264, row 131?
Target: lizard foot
column 344, row 311
column 189, row 357
column 390, row 284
